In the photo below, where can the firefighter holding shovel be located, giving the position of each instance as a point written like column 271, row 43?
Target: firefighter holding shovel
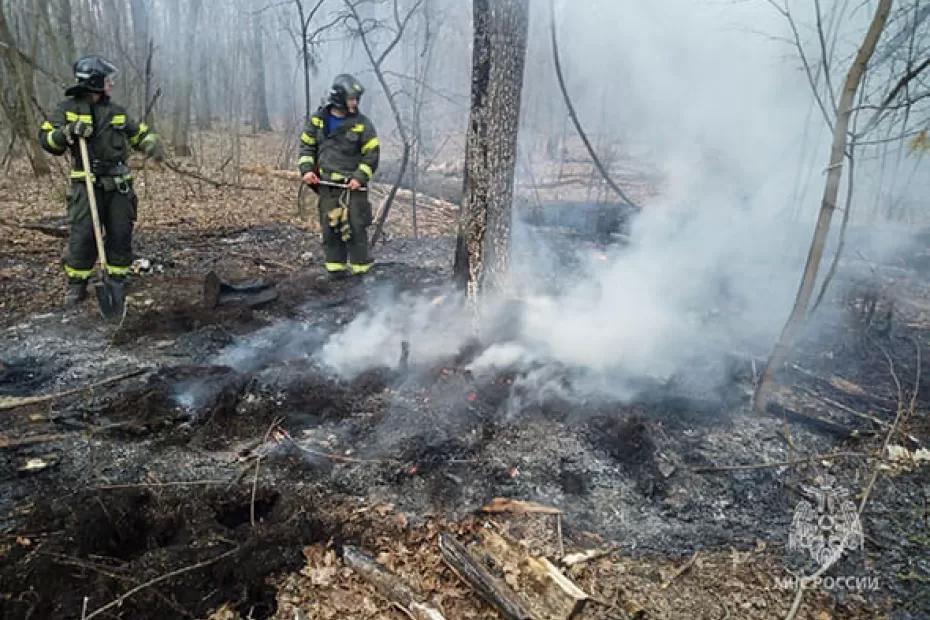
column 339, row 150
column 101, row 202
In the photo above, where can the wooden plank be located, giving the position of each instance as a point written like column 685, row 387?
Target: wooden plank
column 549, row 594
column 493, row 590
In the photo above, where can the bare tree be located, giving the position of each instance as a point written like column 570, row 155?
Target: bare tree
column 363, row 29
column 260, row 120
column 574, row 116
column 180, row 139
column 307, row 38
column 19, row 108
column 844, row 112
column 499, row 51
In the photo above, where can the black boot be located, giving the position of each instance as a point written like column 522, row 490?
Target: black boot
column 77, row 291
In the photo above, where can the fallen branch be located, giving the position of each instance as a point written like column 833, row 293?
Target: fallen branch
column 14, row 402
column 493, row 590
column 122, row 598
column 389, row 585
column 29, row 441
column 814, row 421
column 684, row 568
column 845, row 408
column 516, row 506
column 170, row 165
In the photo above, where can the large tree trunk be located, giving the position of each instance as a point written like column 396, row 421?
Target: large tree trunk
column 827, row 205
column 483, row 245
column 260, row 120
column 19, row 111
column 182, row 112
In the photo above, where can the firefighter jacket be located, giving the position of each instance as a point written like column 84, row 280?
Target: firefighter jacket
column 115, row 132
column 351, row 151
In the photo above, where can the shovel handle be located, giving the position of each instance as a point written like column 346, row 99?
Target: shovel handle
column 341, row 185
column 92, row 198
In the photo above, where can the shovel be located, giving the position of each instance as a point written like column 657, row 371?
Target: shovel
column 110, row 295
column 307, row 200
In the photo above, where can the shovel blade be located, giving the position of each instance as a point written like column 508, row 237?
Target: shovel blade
column 111, row 299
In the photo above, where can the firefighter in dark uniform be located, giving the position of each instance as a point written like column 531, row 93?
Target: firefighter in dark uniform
column 339, row 145
column 110, row 132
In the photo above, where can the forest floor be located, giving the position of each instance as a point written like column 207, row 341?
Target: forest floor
column 207, row 465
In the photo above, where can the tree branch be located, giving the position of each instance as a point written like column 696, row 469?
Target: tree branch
column 571, row 112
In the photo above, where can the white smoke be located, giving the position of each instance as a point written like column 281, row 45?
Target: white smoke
column 431, row 327
column 708, row 94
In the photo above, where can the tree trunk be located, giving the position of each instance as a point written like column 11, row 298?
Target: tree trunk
column 182, row 112
column 304, row 55
column 483, row 244
column 140, row 46
column 827, row 206
column 67, row 32
column 260, row 120
column 20, row 112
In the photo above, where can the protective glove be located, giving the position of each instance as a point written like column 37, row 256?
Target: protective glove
column 339, row 221
column 77, row 129
column 154, row 150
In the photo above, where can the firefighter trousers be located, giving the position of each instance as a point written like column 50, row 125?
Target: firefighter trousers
column 345, row 235
column 117, row 211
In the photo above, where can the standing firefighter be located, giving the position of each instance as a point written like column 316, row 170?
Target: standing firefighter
column 339, row 146
column 88, row 113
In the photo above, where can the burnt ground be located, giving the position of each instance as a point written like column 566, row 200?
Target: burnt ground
column 227, row 475
column 156, row 473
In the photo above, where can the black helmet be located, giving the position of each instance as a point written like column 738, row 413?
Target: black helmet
column 91, row 73
column 344, row 87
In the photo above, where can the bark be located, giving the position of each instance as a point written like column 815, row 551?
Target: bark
column 140, row 47
column 827, row 206
column 19, row 111
column 483, row 244
column 182, row 111
column 260, row 120
column 67, row 32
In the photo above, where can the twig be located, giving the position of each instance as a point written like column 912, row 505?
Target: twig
column 122, row 598
column 339, row 458
column 69, row 561
column 804, row 581
column 800, row 461
column 16, row 402
column 258, row 463
column 144, row 485
column 680, row 571
column 838, row 405
column 894, row 427
column 558, row 530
